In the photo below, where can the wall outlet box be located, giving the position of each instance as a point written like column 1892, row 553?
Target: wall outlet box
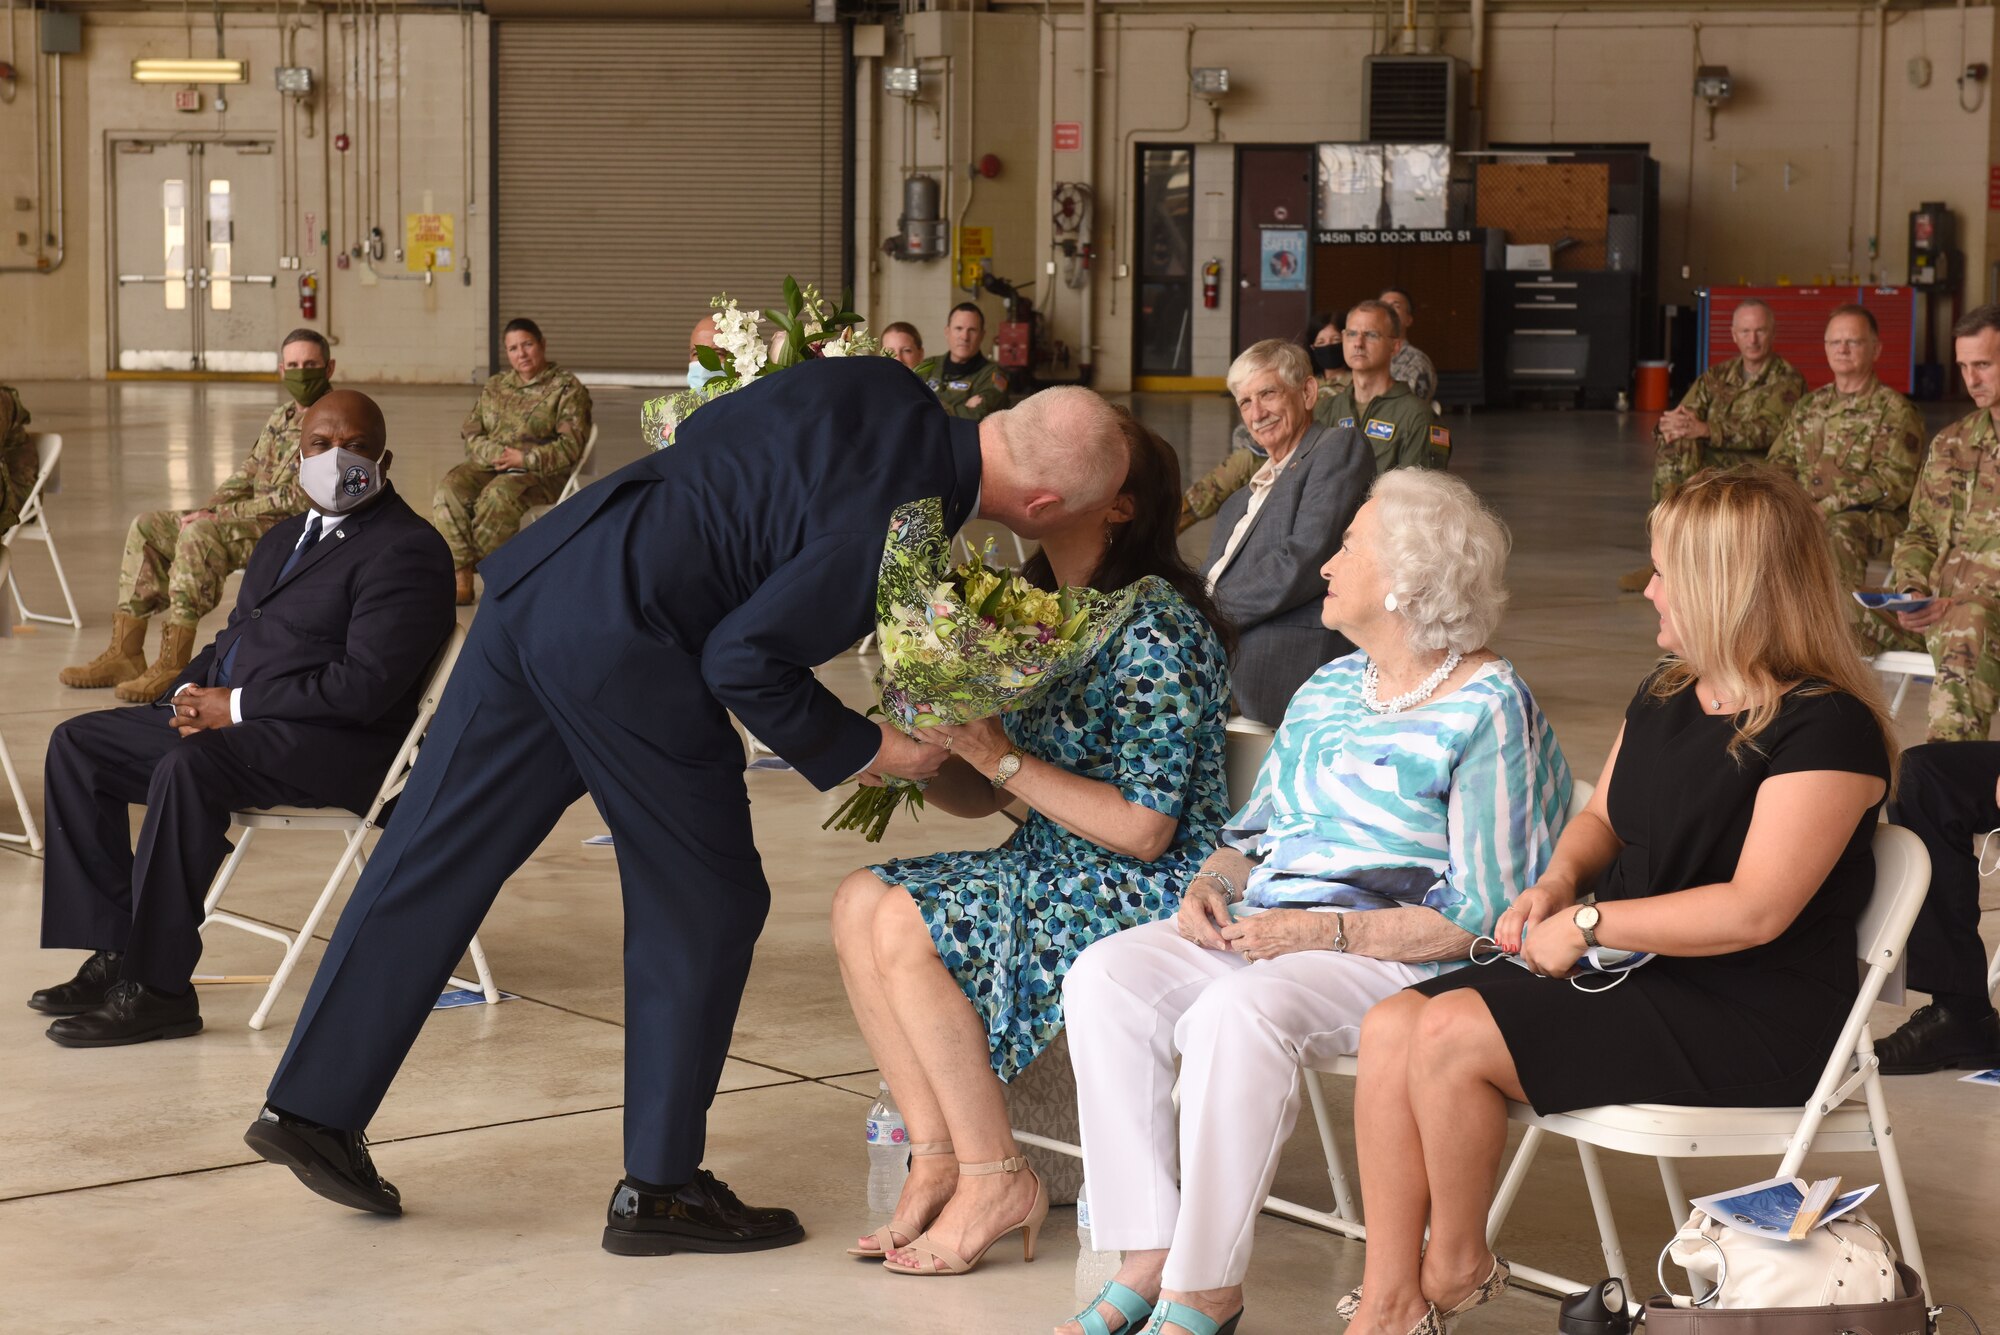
column 62, row 34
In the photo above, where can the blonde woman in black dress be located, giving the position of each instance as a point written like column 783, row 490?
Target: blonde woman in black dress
column 1730, row 834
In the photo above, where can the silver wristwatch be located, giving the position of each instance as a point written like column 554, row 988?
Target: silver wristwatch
column 1009, row 766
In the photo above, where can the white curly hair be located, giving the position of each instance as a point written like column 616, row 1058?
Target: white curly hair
column 1444, row 554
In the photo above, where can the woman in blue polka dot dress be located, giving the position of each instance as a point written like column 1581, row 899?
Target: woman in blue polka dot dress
column 954, row 961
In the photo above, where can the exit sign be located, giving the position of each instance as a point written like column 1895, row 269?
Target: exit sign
column 187, row 99
column 1068, row 136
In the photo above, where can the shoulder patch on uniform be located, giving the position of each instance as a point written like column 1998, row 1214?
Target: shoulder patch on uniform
column 959, row 384
column 999, row 380
column 1441, row 437
column 1345, row 421
column 1377, row 429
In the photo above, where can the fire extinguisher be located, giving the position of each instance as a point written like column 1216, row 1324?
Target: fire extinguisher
column 309, row 294
column 1211, row 284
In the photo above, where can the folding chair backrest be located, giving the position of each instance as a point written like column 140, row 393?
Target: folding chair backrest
column 427, row 706
column 48, row 449
column 1244, row 749
column 1579, row 797
column 575, row 483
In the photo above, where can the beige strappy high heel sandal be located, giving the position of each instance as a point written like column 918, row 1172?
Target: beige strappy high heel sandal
column 884, row 1237
column 936, row 1260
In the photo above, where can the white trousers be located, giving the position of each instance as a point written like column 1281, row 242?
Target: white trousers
column 1243, row 1030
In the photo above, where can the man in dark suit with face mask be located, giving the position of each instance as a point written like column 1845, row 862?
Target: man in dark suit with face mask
column 302, row 700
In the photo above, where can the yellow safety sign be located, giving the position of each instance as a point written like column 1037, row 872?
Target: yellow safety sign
column 427, row 242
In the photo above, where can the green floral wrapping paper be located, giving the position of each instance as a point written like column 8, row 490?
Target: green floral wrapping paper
column 964, row 642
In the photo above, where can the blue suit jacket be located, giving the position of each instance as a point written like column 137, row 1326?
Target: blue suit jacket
column 332, row 657
column 751, row 544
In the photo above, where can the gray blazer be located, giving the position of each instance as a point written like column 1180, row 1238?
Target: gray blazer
column 1272, row 589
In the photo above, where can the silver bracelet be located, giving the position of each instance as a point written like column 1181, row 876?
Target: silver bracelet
column 1229, row 890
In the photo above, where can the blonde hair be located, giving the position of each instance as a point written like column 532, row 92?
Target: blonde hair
column 1445, row 555
column 1755, row 598
column 1293, row 363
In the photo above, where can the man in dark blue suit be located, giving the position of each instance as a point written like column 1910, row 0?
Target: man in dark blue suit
column 302, row 700
column 616, row 636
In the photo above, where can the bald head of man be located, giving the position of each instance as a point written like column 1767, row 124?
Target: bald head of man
column 345, row 419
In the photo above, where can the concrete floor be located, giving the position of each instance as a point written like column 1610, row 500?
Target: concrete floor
column 127, row 1197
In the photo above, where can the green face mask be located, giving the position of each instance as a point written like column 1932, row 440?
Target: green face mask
column 306, row 384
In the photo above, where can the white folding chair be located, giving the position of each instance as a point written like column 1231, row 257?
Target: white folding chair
column 1847, row 1111
column 31, row 839
column 34, row 527
column 356, row 826
column 1905, row 666
column 570, row 487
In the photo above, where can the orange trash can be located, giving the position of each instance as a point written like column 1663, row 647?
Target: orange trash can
column 1651, row 390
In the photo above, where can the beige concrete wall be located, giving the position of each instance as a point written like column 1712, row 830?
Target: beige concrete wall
column 59, row 325
column 1807, row 98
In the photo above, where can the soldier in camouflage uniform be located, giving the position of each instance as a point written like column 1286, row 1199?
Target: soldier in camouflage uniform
column 1950, row 550
column 176, row 560
column 523, row 437
column 18, row 461
column 1227, row 478
column 1731, row 415
column 1854, row 446
column 967, row 384
column 1411, row 366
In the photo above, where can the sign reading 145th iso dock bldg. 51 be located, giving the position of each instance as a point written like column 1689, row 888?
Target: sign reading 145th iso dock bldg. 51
column 1429, row 236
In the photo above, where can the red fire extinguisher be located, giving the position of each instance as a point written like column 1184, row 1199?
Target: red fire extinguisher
column 309, row 294
column 1211, row 284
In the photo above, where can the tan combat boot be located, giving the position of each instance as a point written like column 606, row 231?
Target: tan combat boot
column 176, row 648
column 465, row 593
column 125, row 658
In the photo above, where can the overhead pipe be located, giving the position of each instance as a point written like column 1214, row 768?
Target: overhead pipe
column 52, row 176
column 1407, row 40
column 1881, row 121
column 1087, row 354
column 1479, row 73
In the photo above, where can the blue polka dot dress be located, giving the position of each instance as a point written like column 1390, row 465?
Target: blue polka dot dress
column 1147, row 715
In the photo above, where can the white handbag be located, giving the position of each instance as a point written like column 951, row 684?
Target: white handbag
column 1845, row 1261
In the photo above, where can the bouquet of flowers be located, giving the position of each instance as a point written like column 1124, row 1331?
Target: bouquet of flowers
column 811, row 327
column 963, row 642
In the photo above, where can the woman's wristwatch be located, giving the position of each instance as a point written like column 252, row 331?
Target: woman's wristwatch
column 1009, row 766
column 1229, row 890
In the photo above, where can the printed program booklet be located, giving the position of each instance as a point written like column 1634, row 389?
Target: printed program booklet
column 1770, row 1208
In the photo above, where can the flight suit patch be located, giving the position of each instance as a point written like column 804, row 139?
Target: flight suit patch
column 1440, row 437
column 1345, row 421
column 1377, row 429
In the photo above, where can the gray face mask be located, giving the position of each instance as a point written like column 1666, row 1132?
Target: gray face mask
column 339, row 480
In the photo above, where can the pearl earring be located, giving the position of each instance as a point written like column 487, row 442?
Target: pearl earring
column 1389, row 603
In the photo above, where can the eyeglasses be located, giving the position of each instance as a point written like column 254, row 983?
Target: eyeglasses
column 1845, row 344
column 1362, row 336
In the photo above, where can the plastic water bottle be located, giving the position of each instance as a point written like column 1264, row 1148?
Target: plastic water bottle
column 888, row 1155
column 1094, row 1269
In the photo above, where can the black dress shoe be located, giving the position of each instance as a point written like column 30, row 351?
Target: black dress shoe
column 1934, row 1038
column 85, row 992
column 333, row 1163
column 701, row 1216
column 131, row 1013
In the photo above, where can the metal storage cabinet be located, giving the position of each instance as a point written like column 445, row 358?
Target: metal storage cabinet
column 1564, row 334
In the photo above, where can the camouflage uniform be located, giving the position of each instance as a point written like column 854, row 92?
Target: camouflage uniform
column 1951, row 548
column 1414, row 369
column 1398, row 426
column 1227, row 478
column 478, row 507
column 1744, row 418
column 956, row 382
column 1856, row 455
column 181, row 570
column 18, row 461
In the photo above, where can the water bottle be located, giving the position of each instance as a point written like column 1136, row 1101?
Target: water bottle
column 1094, row 1269
column 888, row 1155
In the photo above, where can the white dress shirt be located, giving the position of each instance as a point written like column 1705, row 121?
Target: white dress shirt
column 327, row 523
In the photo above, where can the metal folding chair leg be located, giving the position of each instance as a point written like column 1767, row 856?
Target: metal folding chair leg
column 1677, row 1197
column 1336, row 1166
column 37, row 530
column 31, row 836
column 1892, row 1177
column 1600, row 1205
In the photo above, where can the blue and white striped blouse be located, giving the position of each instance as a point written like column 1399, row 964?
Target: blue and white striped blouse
column 1454, row 804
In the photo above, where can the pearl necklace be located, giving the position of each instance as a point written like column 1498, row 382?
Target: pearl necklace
column 1416, row 695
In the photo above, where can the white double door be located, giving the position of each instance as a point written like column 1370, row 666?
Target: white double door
column 195, row 255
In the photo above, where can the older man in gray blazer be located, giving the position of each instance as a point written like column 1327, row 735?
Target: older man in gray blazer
column 1272, row 537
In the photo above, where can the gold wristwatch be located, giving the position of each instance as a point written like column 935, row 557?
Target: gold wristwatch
column 1009, row 766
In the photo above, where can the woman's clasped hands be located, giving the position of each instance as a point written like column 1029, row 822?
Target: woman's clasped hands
column 1204, row 919
column 1554, row 949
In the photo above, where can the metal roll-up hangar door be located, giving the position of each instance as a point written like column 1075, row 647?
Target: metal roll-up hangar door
column 643, row 168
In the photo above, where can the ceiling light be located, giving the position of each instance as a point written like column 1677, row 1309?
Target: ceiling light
column 163, row 70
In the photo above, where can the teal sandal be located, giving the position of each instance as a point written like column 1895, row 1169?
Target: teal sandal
column 1134, row 1308
column 1189, row 1319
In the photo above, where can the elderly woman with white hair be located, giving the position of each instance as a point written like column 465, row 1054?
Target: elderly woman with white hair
column 1412, row 791
column 1272, row 537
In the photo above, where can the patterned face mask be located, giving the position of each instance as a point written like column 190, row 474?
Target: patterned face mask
column 339, row 480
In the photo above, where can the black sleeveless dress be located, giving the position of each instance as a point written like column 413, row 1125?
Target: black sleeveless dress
column 1749, row 1029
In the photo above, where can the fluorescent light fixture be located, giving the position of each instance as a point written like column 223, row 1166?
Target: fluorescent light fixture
column 1211, row 81
column 164, row 70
